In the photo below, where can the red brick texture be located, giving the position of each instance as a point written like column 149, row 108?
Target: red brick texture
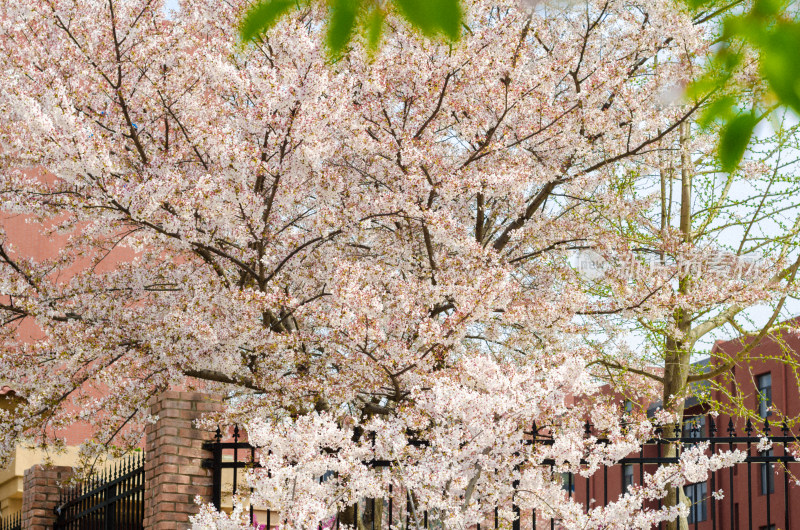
column 173, row 472
column 40, row 495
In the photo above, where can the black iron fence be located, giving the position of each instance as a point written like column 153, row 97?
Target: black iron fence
column 11, row 522
column 110, row 500
column 226, row 461
column 757, row 493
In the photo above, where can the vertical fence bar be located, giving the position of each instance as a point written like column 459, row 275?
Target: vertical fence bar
column 131, row 503
column 658, row 455
column 588, row 432
column 110, row 508
column 134, row 504
column 216, row 471
column 84, row 503
column 79, row 505
column 516, row 514
column 125, row 502
column 140, row 481
column 749, row 431
column 641, row 465
column 552, row 521
column 785, row 432
column 252, row 459
column 235, row 459
column 769, row 481
column 712, row 429
column 731, row 434
column 269, row 509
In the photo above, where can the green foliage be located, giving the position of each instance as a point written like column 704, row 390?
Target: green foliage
column 734, row 138
column 343, row 15
column 770, row 29
column 432, row 18
column 263, row 16
column 780, row 62
column 374, row 27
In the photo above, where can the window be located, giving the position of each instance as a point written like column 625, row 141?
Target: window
column 696, row 493
column 628, row 406
column 767, row 475
column 694, row 427
column 764, row 383
column 627, row 476
column 568, row 482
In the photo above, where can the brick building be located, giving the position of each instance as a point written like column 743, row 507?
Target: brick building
column 768, row 387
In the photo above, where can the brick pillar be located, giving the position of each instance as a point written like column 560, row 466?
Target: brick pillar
column 40, row 495
column 173, row 471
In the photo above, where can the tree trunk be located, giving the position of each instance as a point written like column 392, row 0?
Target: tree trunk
column 675, row 374
column 678, row 352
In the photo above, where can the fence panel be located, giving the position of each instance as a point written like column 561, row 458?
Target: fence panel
column 11, row 522
column 112, row 500
column 764, row 492
column 228, row 461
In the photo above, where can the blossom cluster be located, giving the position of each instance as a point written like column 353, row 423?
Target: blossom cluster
column 352, row 251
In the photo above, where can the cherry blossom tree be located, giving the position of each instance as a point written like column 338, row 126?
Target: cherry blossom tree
column 359, row 255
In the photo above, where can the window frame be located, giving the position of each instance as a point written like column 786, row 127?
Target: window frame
column 764, row 397
column 697, row 493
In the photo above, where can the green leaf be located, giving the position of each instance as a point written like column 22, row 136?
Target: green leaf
column 734, row 139
column 374, row 26
column 262, row 16
column 768, row 8
column 433, row 17
column 343, row 14
column 696, row 4
column 448, row 17
column 719, row 109
column 780, row 63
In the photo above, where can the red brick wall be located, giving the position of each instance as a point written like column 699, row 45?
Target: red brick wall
column 173, row 471
column 41, row 495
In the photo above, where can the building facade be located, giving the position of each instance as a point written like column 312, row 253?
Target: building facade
column 755, row 494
